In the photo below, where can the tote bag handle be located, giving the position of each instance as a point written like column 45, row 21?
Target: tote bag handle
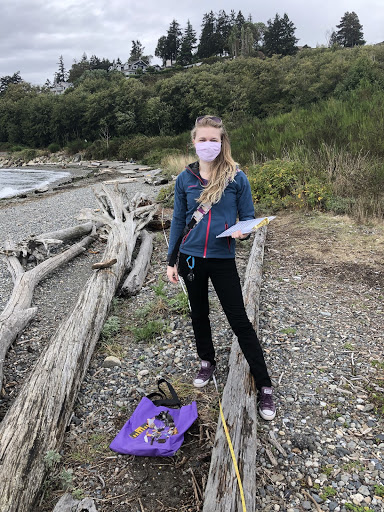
column 163, row 400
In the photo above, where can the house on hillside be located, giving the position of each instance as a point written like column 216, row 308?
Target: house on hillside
column 132, row 67
column 60, row 87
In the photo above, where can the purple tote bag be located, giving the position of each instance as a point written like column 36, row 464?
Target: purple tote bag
column 155, row 431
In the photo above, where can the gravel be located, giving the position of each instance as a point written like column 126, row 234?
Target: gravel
column 321, row 324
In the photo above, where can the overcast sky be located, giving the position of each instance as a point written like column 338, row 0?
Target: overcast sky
column 34, row 33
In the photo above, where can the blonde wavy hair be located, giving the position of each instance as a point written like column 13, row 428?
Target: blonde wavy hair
column 223, row 167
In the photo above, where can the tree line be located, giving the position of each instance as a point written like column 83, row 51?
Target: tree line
column 106, row 104
column 222, row 35
column 233, row 35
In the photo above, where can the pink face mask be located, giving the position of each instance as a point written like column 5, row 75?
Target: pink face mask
column 208, row 151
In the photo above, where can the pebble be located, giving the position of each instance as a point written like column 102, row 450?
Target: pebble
column 111, row 361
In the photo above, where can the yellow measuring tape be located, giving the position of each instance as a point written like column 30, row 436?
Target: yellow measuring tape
column 231, row 448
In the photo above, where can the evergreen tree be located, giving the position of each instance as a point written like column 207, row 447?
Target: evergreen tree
column 240, row 20
column 332, row 39
column 96, row 63
column 61, row 74
column 78, row 68
column 173, row 40
column 279, row 37
column 207, row 46
column 350, row 31
column 223, row 31
column 5, row 81
column 161, row 49
column 188, row 44
column 137, row 51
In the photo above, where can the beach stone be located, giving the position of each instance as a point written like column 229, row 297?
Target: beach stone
column 364, row 490
column 357, row 498
column 111, row 361
column 277, row 478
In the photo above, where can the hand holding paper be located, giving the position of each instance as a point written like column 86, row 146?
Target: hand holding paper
column 246, row 226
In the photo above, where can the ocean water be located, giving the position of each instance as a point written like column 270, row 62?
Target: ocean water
column 19, row 181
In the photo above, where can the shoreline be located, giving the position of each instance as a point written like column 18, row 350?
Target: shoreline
column 82, row 174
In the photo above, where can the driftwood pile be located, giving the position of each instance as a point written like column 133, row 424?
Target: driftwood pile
column 36, row 422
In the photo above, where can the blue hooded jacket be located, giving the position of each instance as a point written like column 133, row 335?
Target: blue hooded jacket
column 201, row 241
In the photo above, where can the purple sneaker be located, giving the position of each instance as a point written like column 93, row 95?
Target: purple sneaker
column 205, row 373
column 267, row 408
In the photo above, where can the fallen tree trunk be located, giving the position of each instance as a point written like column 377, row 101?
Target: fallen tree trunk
column 18, row 311
column 36, row 422
column 240, row 412
column 132, row 285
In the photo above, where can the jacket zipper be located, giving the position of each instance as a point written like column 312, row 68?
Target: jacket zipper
column 228, row 238
column 206, row 236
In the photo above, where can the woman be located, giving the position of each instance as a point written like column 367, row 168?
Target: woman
column 218, row 192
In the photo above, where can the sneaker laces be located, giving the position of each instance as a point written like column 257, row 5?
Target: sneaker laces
column 205, row 371
column 266, row 401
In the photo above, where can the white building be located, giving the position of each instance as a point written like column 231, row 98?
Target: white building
column 131, row 68
column 60, row 87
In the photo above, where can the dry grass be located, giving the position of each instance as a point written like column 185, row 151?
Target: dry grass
column 172, row 165
column 340, row 239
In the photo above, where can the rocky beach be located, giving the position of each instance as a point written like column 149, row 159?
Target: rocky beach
column 321, row 324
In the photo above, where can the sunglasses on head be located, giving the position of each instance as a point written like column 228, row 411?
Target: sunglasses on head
column 213, row 118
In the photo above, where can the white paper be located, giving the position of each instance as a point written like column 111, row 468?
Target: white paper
column 246, row 226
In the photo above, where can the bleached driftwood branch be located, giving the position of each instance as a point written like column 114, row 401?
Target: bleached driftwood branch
column 36, row 422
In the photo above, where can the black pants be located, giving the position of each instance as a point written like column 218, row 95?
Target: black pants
column 225, row 280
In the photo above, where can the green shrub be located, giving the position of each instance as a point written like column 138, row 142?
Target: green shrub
column 274, row 180
column 155, row 156
column 328, row 492
column 179, row 303
column 51, row 458
column 159, row 288
column 152, row 329
column 111, row 327
column 17, row 148
column 284, row 183
column 357, row 508
column 339, row 205
column 139, row 146
column 75, row 146
column 28, row 154
column 54, row 147
column 5, row 146
column 166, row 195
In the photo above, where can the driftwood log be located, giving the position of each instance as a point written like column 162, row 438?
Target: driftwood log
column 71, row 233
column 132, row 285
column 18, row 311
column 240, row 411
column 36, row 422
